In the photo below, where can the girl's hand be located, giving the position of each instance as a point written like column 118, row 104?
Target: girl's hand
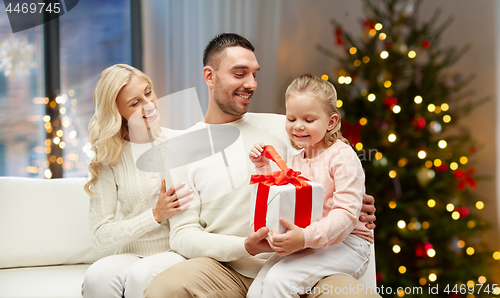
column 291, row 241
column 171, row 202
column 256, row 155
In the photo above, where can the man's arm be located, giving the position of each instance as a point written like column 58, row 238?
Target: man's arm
column 368, row 208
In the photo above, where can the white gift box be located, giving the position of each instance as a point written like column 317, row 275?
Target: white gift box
column 281, row 202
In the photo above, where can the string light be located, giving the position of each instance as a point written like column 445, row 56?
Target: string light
column 432, row 277
column 437, row 162
column 363, row 121
column 428, row 164
column 471, row 224
column 384, row 54
column 378, row 155
column 453, row 166
column 324, row 77
column 391, row 137
column 431, row 107
column 372, row 32
column 431, row 203
column 481, row 279
column 359, row 146
column 496, row 255
column 446, row 118
column 366, row 59
column 445, row 107
column 418, row 99
column 341, row 80
column 450, row 207
column 442, row 144
column 392, row 204
column 396, row 249
column 396, row 109
column 371, row 97
column 425, row 225
column 402, row 269
column 357, row 62
column 421, row 154
column 412, row 54
column 422, row 281
column 460, row 244
column 353, row 50
column 392, row 174
column 455, row 215
column 470, row 251
column 402, row 162
column 431, row 253
column 387, row 84
column 340, row 103
column 378, row 26
column 464, row 160
column 401, row 224
column 382, row 36
column 479, row 205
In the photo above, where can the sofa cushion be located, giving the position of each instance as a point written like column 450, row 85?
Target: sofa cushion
column 50, row 282
column 44, row 222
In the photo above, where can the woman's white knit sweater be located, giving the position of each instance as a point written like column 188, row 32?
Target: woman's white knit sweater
column 121, row 215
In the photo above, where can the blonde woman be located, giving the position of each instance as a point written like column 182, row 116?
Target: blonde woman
column 129, row 208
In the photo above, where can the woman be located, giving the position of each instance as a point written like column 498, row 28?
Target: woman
column 129, row 208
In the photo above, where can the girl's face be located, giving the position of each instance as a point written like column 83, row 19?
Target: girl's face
column 307, row 121
column 137, row 103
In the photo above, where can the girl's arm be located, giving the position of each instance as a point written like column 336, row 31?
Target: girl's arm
column 348, row 178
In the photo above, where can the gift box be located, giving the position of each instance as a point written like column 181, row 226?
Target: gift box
column 284, row 194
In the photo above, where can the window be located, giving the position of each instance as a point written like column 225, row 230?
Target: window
column 95, row 34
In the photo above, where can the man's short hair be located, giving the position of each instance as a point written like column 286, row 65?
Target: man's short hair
column 221, row 42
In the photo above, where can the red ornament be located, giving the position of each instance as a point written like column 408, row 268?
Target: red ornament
column 338, row 36
column 369, row 24
column 463, row 211
column 418, row 122
column 465, row 178
column 426, row 44
column 420, row 250
column 388, row 44
column 351, row 132
column 380, row 277
column 442, row 168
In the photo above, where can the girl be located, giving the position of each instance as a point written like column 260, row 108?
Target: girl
column 129, row 208
column 338, row 243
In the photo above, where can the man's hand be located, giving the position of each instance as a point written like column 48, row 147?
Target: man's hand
column 289, row 242
column 256, row 242
column 369, row 208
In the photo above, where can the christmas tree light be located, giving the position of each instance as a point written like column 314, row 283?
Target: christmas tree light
column 400, row 101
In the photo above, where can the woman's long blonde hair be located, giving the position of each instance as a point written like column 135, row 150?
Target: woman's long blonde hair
column 107, row 128
column 325, row 92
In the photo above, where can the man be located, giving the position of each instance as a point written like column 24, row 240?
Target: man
column 213, row 233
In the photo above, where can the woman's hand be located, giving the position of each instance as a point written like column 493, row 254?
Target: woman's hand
column 256, row 155
column 171, row 202
column 291, row 241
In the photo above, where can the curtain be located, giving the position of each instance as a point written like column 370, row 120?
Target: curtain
column 175, row 34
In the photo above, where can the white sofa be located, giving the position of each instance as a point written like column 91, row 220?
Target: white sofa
column 45, row 245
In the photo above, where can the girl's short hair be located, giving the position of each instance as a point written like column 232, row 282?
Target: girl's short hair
column 107, row 128
column 325, row 92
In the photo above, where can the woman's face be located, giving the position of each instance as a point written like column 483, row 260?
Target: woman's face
column 137, row 103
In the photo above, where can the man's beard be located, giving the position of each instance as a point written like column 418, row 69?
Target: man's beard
column 225, row 103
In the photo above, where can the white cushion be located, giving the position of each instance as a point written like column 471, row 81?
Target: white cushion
column 370, row 276
column 44, row 222
column 51, row 282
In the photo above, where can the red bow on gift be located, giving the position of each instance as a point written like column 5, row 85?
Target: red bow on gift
column 465, row 178
column 303, row 207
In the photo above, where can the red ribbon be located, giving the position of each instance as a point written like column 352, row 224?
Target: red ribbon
column 303, row 197
column 465, row 178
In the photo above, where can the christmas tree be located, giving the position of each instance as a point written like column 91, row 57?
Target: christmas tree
column 400, row 109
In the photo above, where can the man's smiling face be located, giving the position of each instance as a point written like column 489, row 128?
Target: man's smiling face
column 235, row 80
